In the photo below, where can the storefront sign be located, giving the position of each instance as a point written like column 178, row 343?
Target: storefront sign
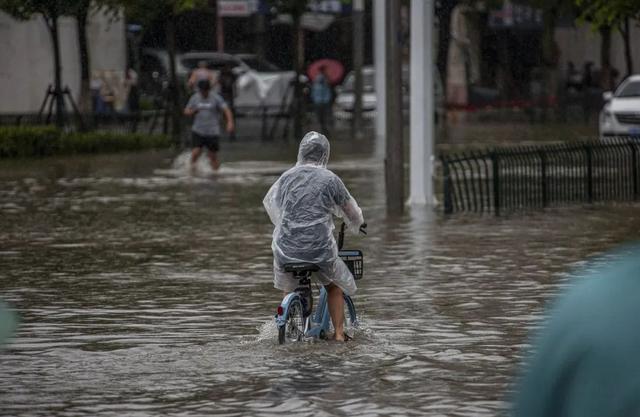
column 515, row 15
column 236, row 8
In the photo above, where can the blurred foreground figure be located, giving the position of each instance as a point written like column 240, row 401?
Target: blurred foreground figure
column 586, row 359
column 7, row 323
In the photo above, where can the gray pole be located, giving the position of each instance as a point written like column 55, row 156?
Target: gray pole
column 358, row 49
column 379, row 45
column 421, row 101
column 394, row 163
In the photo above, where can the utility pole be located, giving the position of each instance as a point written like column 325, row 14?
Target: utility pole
column 358, row 58
column 394, row 162
column 219, row 30
column 422, row 108
column 379, row 45
column 298, row 111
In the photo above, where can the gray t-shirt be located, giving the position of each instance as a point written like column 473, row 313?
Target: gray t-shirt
column 206, row 121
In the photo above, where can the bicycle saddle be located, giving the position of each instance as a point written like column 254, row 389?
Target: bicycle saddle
column 301, row 267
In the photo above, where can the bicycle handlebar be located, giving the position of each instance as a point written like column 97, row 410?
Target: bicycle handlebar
column 362, row 230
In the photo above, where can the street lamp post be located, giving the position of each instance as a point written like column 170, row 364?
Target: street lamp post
column 421, row 102
column 358, row 49
column 379, row 42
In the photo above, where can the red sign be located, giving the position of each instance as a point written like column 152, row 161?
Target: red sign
column 235, row 8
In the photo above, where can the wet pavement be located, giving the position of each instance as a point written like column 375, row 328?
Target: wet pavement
column 144, row 291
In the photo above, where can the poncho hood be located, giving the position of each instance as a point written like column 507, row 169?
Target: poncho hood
column 314, row 150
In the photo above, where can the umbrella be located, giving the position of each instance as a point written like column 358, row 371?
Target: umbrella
column 334, row 70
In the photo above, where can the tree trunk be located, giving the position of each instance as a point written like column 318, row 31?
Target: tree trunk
column 627, row 46
column 174, row 88
column 85, row 92
column 260, row 35
column 550, row 54
column 605, row 58
column 52, row 24
column 444, row 18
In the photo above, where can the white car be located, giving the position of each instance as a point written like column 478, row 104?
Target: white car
column 265, row 88
column 620, row 115
column 345, row 97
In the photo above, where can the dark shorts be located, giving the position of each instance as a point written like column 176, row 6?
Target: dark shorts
column 202, row 141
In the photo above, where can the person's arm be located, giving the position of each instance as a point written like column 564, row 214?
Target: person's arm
column 346, row 206
column 352, row 215
column 192, row 79
column 191, row 108
column 271, row 205
column 228, row 116
column 229, row 119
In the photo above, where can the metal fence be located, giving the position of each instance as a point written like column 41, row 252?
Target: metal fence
column 509, row 179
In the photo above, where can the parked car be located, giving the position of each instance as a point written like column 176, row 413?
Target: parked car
column 215, row 62
column 620, row 115
column 256, row 89
column 345, row 97
column 258, row 64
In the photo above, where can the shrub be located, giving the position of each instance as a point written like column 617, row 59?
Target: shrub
column 22, row 141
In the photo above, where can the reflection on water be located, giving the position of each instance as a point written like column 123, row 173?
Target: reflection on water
column 145, row 290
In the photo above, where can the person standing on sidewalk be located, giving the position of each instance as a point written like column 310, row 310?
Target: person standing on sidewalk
column 321, row 97
column 205, row 107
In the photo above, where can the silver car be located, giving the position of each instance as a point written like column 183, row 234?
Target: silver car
column 620, row 115
column 345, row 97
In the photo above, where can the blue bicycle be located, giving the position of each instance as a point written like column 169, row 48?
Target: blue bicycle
column 295, row 318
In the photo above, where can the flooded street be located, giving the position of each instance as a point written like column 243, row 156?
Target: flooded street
column 145, row 291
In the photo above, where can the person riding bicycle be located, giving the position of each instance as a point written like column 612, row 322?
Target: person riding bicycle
column 300, row 204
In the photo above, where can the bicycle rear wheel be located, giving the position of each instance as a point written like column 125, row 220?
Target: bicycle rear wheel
column 293, row 329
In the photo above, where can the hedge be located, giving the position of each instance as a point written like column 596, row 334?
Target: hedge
column 26, row 141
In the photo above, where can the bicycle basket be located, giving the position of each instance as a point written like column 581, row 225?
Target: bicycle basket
column 354, row 261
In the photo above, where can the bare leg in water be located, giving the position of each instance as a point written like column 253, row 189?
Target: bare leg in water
column 213, row 160
column 336, row 310
column 195, row 154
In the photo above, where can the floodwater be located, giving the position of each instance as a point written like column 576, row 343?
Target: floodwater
column 145, row 291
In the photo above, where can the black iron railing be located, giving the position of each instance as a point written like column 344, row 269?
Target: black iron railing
column 509, row 179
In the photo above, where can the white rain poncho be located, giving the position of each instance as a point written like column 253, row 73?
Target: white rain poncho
column 300, row 204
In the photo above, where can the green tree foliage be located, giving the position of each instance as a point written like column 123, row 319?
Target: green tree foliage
column 26, row 9
column 292, row 7
column 607, row 14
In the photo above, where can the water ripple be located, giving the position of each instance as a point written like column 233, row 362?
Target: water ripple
column 147, row 291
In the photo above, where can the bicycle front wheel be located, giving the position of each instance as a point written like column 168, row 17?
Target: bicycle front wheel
column 293, row 329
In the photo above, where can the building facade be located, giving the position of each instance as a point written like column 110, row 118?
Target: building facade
column 26, row 64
